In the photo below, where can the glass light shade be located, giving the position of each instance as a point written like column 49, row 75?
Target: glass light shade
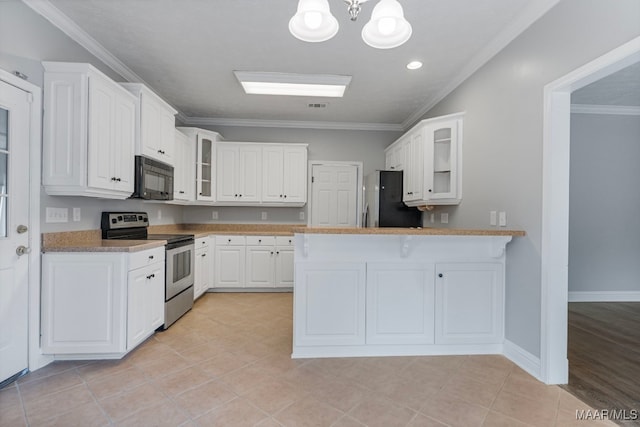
column 387, row 28
column 313, row 21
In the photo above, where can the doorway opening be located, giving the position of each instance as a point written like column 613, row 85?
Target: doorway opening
column 555, row 204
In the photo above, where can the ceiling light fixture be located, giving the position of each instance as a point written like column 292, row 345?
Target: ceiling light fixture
column 414, row 65
column 313, row 22
column 266, row 83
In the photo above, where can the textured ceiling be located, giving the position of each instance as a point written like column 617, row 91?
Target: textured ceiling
column 621, row 88
column 187, row 50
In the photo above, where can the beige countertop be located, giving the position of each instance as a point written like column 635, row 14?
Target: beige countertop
column 410, row 231
column 106, row 246
column 91, row 240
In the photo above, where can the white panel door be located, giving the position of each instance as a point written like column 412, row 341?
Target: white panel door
column 334, row 196
column 226, row 173
column 284, row 266
column 137, row 306
column 249, row 173
column 295, row 174
column 272, row 174
column 260, row 266
column 101, row 109
column 123, row 145
column 230, row 266
column 14, row 212
column 469, row 303
column 400, row 303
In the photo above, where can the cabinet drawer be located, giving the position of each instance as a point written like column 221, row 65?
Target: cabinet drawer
column 144, row 258
column 284, row 240
column 230, row 240
column 202, row 242
column 261, row 240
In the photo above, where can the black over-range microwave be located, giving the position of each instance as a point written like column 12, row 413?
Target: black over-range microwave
column 153, row 179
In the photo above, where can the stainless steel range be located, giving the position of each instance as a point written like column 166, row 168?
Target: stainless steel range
column 179, row 264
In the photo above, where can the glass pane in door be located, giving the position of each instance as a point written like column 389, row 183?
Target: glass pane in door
column 4, row 171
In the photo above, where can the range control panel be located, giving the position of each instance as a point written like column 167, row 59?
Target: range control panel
column 115, row 220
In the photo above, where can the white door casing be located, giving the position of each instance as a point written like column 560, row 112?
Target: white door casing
column 14, row 212
column 336, row 194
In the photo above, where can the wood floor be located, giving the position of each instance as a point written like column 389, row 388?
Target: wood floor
column 604, row 355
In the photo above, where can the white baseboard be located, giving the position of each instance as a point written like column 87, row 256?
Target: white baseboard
column 605, row 296
column 521, row 357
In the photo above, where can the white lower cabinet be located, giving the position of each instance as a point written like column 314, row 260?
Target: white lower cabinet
column 253, row 262
column 203, row 267
column 229, row 261
column 406, row 303
column 260, row 267
column 100, row 305
column 284, row 262
column 329, row 304
column 469, row 303
column 400, row 303
column 145, row 302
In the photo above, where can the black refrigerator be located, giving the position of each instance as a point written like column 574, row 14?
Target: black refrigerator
column 383, row 202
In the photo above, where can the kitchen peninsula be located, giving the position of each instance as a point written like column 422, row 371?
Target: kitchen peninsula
column 399, row 291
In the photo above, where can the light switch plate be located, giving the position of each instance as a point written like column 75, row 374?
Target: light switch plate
column 76, row 214
column 214, row 214
column 502, row 219
column 301, row 215
column 57, row 215
column 493, row 218
column 444, row 218
column 263, row 216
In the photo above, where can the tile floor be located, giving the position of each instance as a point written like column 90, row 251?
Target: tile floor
column 227, row 363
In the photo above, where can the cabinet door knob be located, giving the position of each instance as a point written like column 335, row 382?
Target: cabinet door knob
column 259, row 240
column 281, row 195
column 150, row 256
column 118, row 179
column 229, row 240
column 151, row 276
column 429, row 190
column 204, row 255
column 285, row 196
column 440, row 275
column 271, row 252
column 113, row 178
column 277, row 252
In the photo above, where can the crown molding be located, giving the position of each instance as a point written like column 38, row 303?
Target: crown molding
column 618, row 110
column 292, row 124
column 532, row 13
column 77, row 34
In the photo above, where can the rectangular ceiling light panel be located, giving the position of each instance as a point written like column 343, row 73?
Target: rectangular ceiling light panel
column 263, row 83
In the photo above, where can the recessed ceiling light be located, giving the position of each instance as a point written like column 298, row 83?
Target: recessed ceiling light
column 265, row 83
column 414, row 65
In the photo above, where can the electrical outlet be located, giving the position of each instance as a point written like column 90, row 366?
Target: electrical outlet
column 301, row 215
column 57, row 215
column 76, row 214
column 214, row 214
column 159, row 214
column 263, row 216
column 444, row 218
column 502, row 219
column 493, row 215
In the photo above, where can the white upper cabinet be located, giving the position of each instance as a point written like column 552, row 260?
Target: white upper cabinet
column 88, row 135
column 430, row 154
column 284, row 174
column 184, row 171
column 238, row 172
column 204, row 142
column 155, row 124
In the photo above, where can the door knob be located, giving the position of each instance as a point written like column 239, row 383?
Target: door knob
column 21, row 250
column 22, row 229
